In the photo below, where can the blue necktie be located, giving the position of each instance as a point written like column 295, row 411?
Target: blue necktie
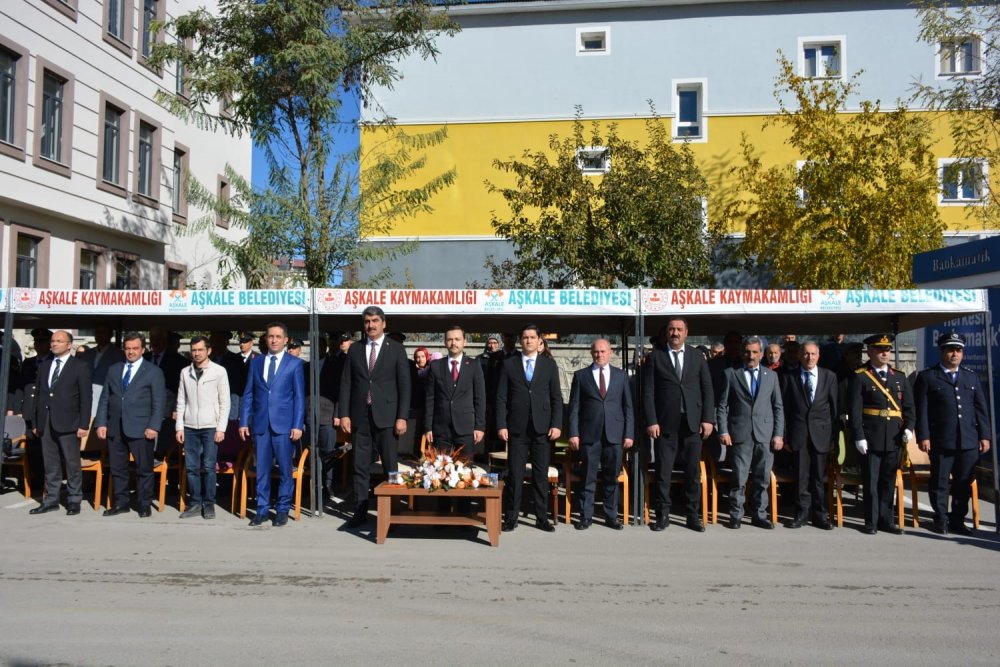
column 809, row 387
column 529, row 369
column 753, row 383
column 127, row 377
column 271, row 369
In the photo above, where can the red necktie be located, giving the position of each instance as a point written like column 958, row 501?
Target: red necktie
column 603, row 387
column 454, row 370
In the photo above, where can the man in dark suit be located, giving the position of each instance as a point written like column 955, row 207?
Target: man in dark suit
column 678, row 411
column 325, row 405
column 218, row 343
column 601, row 423
column 374, row 404
column 62, row 416
column 129, row 415
column 529, row 420
column 455, row 399
column 953, row 424
column 274, row 410
column 751, row 421
column 809, row 398
column 881, row 416
column 100, row 358
column 171, row 363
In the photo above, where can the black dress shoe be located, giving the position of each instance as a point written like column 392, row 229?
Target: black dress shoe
column 940, row 526
column 280, row 519
column 258, row 520
column 72, row 509
column 42, row 509
column 661, row 523
column 359, row 519
column 509, row 525
column 762, row 523
column 583, row 524
column 145, row 514
column 869, row 529
column 823, row 524
column 797, row 522
column 545, row 525
column 615, row 524
column 115, row 511
column 959, row 528
column 734, row 523
column 696, row 524
column 890, row 528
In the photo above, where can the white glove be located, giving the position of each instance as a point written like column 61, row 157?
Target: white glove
column 907, row 436
column 862, row 446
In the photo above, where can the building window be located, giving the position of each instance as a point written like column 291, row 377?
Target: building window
column 27, row 257
column 175, row 276
column 118, row 25
column 126, row 266
column 147, row 161
column 27, row 261
column 593, row 160
column 822, row 57
column 152, row 10
column 65, row 7
column 180, row 74
column 13, row 98
column 960, row 57
column 593, row 41
column 113, row 136
column 53, row 119
column 689, row 109
column 223, row 195
column 180, row 170
column 88, row 270
column 963, row 181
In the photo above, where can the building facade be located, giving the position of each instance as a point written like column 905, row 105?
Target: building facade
column 90, row 164
column 515, row 73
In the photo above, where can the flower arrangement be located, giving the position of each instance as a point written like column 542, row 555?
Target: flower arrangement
column 438, row 471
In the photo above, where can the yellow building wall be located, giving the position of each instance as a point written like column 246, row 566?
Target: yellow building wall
column 464, row 209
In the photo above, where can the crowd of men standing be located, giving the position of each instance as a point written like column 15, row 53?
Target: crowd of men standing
column 748, row 402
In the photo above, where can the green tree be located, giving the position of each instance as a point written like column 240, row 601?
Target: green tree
column 282, row 69
column 967, row 38
column 641, row 223
column 862, row 203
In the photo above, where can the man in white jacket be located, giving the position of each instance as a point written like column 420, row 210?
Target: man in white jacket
column 202, row 417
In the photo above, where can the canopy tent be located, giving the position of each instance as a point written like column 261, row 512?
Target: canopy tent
column 585, row 311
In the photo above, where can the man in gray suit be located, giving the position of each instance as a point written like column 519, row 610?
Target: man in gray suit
column 129, row 416
column 751, row 421
column 601, row 423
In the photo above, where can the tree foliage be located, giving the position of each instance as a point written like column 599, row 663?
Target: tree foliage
column 971, row 102
column 639, row 224
column 861, row 204
column 282, row 69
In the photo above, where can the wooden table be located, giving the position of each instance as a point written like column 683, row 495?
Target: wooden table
column 491, row 518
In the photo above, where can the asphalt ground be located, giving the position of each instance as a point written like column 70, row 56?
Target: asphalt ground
column 89, row 590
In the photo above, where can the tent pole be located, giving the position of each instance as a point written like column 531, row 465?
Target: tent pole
column 8, row 322
column 315, row 467
column 988, row 323
column 638, row 489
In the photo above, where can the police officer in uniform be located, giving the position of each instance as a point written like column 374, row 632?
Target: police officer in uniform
column 954, row 426
column 882, row 416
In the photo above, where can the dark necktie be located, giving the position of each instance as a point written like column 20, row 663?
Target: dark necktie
column 601, row 385
column 127, row 377
column 809, row 387
column 55, row 373
column 753, row 383
column 272, row 368
column 371, row 367
column 883, row 376
column 678, row 368
column 454, row 370
column 952, row 375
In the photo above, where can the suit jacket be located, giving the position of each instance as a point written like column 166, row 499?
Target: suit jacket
column 389, row 384
column 329, row 388
column 664, row 394
column 748, row 419
column 951, row 416
column 458, row 406
column 100, row 363
column 139, row 407
column 810, row 422
column 881, row 433
column 594, row 418
column 521, row 403
column 171, row 364
column 279, row 407
column 67, row 402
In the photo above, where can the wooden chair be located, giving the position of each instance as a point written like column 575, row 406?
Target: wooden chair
column 919, row 472
column 15, row 428
column 647, row 484
column 570, row 475
column 248, row 471
column 91, row 444
column 499, row 460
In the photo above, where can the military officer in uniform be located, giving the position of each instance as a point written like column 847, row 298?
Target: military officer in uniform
column 882, row 416
column 954, row 426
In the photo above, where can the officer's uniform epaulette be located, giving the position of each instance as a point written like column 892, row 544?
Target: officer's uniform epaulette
column 860, row 369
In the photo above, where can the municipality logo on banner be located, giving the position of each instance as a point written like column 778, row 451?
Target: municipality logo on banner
column 494, row 302
column 177, row 301
column 830, row 300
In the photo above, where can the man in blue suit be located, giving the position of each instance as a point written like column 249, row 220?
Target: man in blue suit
column 954, row 426
column 601, row 423
column 129, row 416
column 274, row 410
